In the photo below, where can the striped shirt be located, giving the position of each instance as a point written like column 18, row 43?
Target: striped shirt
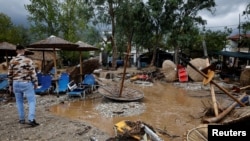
column 21, row 68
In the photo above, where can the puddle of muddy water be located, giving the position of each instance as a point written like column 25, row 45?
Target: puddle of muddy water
column 166, row 108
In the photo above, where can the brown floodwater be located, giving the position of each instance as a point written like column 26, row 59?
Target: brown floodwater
column 167, row 108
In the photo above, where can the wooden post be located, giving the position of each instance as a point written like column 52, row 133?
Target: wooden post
column 124, row 70
column 81, row 67
column 216, row 112
column 55, row 75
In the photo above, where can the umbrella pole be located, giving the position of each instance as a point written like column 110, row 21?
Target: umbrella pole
column 43, row 63
column 55, row 62
column 55, row 75
column 81, row 66
column 7, row 61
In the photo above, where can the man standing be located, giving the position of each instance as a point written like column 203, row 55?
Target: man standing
column 22, row 80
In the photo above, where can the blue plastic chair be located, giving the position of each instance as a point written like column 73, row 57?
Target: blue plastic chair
column 4, row 85
column 4, row 82
column 46, row 84
column 89, row 82
column 62, row 83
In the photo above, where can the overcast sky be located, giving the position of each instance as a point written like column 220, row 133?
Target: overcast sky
column 226, row 14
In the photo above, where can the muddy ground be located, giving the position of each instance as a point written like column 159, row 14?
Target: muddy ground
column 53, row 128
column 56, row 128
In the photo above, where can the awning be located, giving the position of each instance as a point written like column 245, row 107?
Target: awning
column 242, row 55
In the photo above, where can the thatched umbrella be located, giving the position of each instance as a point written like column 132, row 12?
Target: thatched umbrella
column 200, row 64
column 169, row 70
column 7, row 48
column 54, row 43
column 10, row 49
column 83, row 47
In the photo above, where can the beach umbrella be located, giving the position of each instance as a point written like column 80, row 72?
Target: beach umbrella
column 8, row 49
column 81, row 47
column 84, row 47
column 54, row 43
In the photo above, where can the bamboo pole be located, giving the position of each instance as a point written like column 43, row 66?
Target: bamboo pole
column 216, row 112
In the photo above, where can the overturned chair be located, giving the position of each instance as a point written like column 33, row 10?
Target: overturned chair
column 75, row 90
column 87, row 86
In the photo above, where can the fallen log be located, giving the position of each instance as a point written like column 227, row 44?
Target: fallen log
column 224, row 113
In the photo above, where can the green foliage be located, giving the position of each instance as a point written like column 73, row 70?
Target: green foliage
column 246, row 24
column 44, row 17
column 154, row 24
column 67, row 19
column 73, row 18
column 216, row 40
column 90, row 35
column 181, row 18
column 247, row 10
column 11, row 33
column 166, row 24
column 5, row 27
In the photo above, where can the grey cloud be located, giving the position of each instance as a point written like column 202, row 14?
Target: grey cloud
column 15, row 10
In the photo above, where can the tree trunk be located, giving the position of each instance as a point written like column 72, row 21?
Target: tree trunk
column 113, row 41
column 153, row 57
column 114, row 55
column 176, row 52
column 158, row 38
